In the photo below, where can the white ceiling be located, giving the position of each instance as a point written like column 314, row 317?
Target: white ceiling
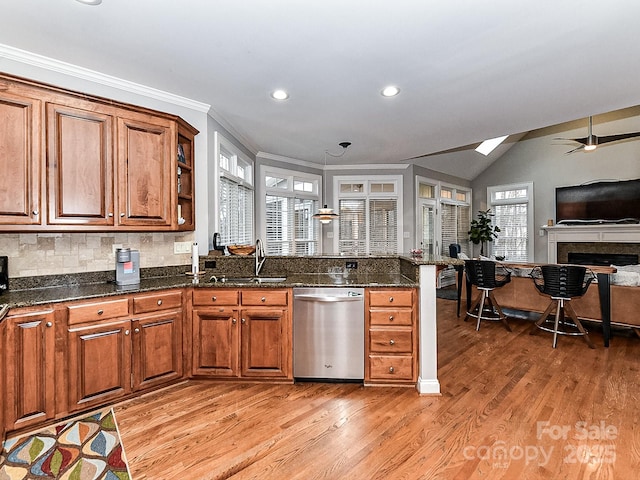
column 468, row 70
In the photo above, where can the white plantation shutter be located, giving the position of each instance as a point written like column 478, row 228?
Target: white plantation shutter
column 464, row 224
column 383, row 226
column 290, row 226
column 279, row 218
column 305, row 228
column 513, row 237
column 352, row 224
column 455, row 223
column 236, row 213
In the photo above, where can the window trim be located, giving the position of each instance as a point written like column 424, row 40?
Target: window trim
column 529, row 200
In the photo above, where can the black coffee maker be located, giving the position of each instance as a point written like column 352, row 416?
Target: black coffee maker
column 4, row 274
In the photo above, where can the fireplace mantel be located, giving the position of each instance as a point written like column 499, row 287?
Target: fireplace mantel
column 623, row 233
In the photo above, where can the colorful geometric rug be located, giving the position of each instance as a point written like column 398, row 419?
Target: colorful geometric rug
column 88, row 448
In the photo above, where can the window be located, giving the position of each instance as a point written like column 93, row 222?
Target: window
column 369, row 219
column 235, row 194
column 512, row 206
column 291, row 199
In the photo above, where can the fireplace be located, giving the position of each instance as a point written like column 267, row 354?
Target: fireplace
column 581, row 258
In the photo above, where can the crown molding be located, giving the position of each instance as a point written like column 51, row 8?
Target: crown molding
column 232, row 131
column 369, row 166
column 40, row 61
column 282, row 158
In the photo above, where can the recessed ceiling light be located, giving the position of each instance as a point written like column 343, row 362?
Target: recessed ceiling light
column 279, row 95
column 390, row 91
column 488, row 146
column 90, row 2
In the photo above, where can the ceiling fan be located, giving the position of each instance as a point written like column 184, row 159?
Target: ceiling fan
column 591, row 141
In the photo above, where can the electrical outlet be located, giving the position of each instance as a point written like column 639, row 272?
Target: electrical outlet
column 352, row 265
column 209, row 264
column 115, row 247
column 181, row 247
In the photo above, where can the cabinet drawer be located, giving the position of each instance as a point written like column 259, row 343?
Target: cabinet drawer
column 215, row 296
column 88, row 312
column 260, row 296
column 389, row 367
column 388, row 298
column 157, row 301
column 390, row 341
column 390, row 317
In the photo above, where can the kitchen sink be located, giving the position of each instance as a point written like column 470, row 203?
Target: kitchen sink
column 214, row 279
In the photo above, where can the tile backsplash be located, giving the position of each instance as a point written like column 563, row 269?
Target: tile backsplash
column 32, row 254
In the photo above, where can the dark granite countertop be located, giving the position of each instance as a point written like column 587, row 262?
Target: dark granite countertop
column 66, row 293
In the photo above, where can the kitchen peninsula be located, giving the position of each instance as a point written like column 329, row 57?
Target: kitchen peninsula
column 63, row 318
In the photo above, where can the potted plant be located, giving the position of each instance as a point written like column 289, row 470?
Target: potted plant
column 482, row 230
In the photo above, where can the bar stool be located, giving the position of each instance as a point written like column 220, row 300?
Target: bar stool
column 483, row 274
column 561, row 283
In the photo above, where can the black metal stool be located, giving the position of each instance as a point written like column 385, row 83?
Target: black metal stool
column 482, row 274
column 562, row 283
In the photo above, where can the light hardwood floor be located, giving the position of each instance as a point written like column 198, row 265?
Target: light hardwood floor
column 511, row 408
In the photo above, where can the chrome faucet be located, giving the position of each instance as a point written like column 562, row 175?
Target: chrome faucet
column 260, row 256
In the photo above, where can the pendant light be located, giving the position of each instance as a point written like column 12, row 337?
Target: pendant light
column 326, row 214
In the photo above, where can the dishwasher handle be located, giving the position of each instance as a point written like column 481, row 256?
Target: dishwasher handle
column 328, row 298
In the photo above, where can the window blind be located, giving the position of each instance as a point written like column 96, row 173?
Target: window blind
column 383, row 226
column 236, row 213
column 352, row 226
column 512, row 241
column 290, row 226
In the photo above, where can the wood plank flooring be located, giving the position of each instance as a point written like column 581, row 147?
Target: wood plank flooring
column 512, row 408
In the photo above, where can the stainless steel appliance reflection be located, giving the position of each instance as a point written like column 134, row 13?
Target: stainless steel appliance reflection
column 328, row 333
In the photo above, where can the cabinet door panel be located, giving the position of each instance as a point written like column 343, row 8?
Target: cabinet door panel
column 264, row 346
column 30, row 393
column 157, row 349
column 20, row 160
column 99, row 364
column 215, row 342
column 79, row 166
column 145, row 172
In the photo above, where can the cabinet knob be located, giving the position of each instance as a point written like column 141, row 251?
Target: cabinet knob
column 391, row 370
column 263, row 299
column 136, row 330
column 234, row 321
column 35, row 213
column 390, row 299
column 100, row 312
column 391, row 318
column 49, row 324
column 159, row 302
column 213, row 299
column 121, row 215
column 392, row 342
column 126, row 332
column 243, row 321
column 110, row 214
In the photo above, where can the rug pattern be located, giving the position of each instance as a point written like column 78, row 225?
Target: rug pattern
column 85, row 449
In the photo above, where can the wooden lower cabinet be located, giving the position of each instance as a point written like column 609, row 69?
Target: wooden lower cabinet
column 392, row 336
column 30, row 369
column 242, row 333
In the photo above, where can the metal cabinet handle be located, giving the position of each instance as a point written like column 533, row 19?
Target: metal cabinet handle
column 243, row 321
column 263, row 299
column 126, row 332
column 159, row 302
column 391, row 370
column 100, row 312
column 213, row 299
column 390, row 299
column 234, row 321
column 391, row 318
column 36, row 213
column 137, row 330
column 392, row 342
column 49, row 324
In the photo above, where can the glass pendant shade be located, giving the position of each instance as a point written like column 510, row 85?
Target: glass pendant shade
column 325, row 215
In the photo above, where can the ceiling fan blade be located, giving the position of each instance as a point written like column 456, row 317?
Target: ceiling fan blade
column 579, row 140
column 581, row 147
column 616, row 138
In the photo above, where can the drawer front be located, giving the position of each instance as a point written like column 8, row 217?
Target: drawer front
column 155, row 302
column 215, row 296
column 89, row 312
column 391, row 298
column 391, row 341
column 390, row 317
column 399, row 368
column 261, row 296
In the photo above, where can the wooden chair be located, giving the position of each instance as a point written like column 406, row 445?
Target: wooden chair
column 485, row 276
column 562, row 283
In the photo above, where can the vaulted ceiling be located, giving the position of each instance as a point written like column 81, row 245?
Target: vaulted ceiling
column 467, row 70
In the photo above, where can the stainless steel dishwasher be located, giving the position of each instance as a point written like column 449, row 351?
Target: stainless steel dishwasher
column 328, row 333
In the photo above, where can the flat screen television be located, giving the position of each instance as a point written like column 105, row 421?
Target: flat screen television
column 599, row 202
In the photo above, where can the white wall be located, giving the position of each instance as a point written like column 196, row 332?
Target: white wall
column 541, row 159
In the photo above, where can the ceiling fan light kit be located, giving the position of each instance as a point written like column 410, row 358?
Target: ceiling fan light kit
column 591, row 141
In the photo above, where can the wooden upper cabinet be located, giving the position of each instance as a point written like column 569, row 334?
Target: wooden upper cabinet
column 79, row 166
column 145, row 172
column 20, row 159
